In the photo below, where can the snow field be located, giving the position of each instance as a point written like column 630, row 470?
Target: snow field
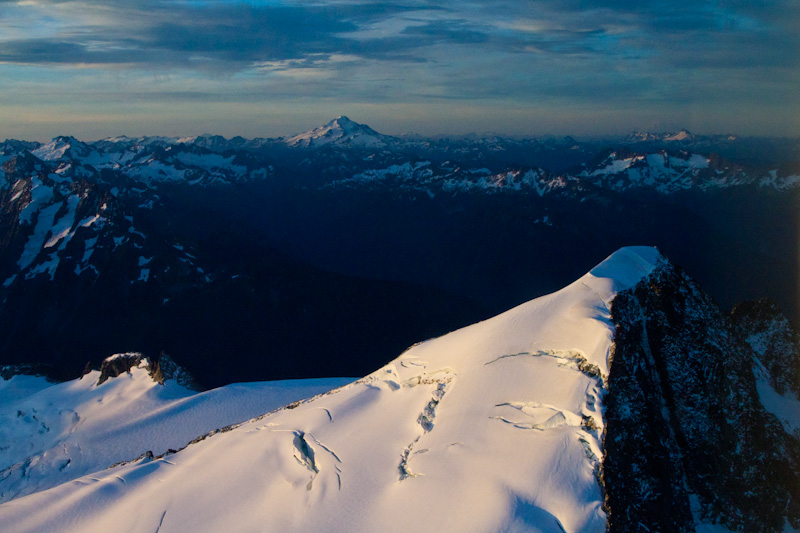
column 492, row 427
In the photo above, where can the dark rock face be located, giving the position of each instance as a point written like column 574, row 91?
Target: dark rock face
column 774, row 341
column 165, row 368
column 687, row 439
column 26, row 369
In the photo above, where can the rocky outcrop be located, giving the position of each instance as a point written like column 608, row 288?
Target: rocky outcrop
column 687, row 440
column 21, row 166
column 160, row 369
column 166, row 368
column 27, row 369
column 121, row 363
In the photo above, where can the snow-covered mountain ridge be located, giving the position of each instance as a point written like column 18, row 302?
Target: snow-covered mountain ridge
column 341, row 131
column 561, row 414
column 448, row 426
column 54, row 433
column 353, row 154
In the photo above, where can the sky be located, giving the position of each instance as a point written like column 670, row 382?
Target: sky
column 263, row 68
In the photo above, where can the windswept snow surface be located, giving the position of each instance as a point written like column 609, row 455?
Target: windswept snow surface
column 54, row 433
column 494, row 427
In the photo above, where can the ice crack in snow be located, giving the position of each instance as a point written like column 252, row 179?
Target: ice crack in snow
column 405, row 471
column 305, row 455
column 426, row 422
column 566, row 358
column 161, row 521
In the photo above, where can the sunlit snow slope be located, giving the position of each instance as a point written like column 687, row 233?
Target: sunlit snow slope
column 54, row 433
column 492, row 427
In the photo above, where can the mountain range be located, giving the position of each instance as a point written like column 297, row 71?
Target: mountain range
column 355, row 241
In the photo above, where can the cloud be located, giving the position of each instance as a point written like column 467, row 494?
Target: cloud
column 231, row 36
column 619, row 55
column 162, row 34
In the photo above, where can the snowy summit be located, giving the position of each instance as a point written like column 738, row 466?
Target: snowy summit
column 495, row 426
column 340, row 131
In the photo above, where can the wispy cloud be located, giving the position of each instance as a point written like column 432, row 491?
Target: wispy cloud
column 579, row 53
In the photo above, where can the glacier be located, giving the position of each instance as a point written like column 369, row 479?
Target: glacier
column 496, row 426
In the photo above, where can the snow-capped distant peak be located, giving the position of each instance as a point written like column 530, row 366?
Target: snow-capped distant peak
column 339, row 131
column 60, row 148
column 643, row 136
column 682, row 135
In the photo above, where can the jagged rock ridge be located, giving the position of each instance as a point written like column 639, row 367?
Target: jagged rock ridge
column 772, row 338
column 687, row 440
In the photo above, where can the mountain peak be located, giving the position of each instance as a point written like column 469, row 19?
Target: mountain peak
column 682, row 135
column 347, row 125
column 530, row 378
column 644, row 136
column 343, row 119
column 61, row 147
column 341, row 131
column 627, row 266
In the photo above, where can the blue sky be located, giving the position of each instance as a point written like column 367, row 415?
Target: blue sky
column 94, row 68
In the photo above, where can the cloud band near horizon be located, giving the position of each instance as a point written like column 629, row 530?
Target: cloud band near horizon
column 520, row 67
